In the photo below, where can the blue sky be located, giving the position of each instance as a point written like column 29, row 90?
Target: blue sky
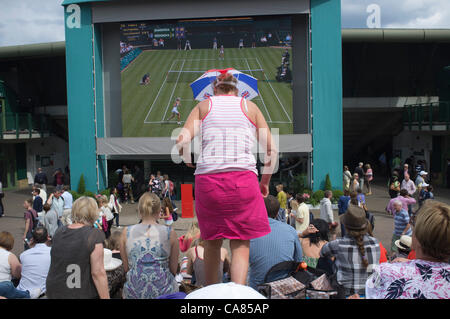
column 31, row 21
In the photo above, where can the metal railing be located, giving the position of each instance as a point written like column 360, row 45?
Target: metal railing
column 24, row 123
column 427, row 114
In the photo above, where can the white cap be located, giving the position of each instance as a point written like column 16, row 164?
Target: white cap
column 109, row 262
column 423, row 173
column 228, row 290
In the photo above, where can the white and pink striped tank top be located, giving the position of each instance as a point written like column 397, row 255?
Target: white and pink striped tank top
column 227, row 137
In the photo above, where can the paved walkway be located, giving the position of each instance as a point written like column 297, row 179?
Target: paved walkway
column 14, row 222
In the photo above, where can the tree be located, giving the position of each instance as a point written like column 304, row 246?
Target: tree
column 328, row 186
column 81, row 185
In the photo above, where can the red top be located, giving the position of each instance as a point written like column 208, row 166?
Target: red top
column 383, row 254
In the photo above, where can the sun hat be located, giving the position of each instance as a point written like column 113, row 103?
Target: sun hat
column 423, row 173
column 354, row 218
column 110, row 262
column 228, row 290
column 404, row 242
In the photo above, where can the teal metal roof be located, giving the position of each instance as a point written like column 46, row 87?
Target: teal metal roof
column 67, row 2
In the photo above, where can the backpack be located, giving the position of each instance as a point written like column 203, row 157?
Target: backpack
column 171, row 187
column 34, row 219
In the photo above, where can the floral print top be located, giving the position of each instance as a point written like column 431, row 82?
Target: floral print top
column 148, row 249
column 415, row 279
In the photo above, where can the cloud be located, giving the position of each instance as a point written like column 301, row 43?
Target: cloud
column 30, row 21
column 420, row 14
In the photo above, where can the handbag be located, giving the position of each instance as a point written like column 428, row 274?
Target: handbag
column 174, row 216
column 287, row 288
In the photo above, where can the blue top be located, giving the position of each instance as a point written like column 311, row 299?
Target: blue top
column 361, row 198
column 281, row 244
column 343, row 204
column 401, row 219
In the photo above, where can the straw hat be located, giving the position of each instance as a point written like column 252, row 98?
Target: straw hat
column 228, row 290
column 404, row 242
column 110, row 262
column 354, row 218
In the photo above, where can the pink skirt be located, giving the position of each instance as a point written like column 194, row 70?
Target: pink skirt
column 230, row 205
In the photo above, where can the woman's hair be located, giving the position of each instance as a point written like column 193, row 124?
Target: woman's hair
column 322, row 227
column 358, row 236
column 346, row 192
column 225, row 83
column 367, row 166
column 84, row 211
column 149, row 205
column 6, row 240
column 354, row 198
column 167, row 203
column 113, row 242
column 102, row 200
column 193, row 231
column 432, row 229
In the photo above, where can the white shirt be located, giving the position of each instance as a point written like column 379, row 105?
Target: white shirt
column 409, row 186
column 302, row 212
column 107, row 213
column 68, row 200
column 127, row 178
column 43, row 195
column 5, row 267
column 35, row 265
column 326, row 212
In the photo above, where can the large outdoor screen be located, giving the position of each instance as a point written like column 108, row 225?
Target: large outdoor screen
column 159, row 61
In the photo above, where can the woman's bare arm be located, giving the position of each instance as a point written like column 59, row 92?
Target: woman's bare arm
column 16, row 266
column 266, row 142
column 123, row 249
column 174, row 252
column 98, row 272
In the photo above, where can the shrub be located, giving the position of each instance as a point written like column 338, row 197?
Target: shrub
column 328, row 186
column 318, row 195
column 75, row 195
column 313, row 201
column 336, row 194
column 89, row 194
column 106, row 192
column 81, row 185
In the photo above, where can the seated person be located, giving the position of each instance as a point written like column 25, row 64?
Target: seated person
column 35, row 262
column 196, row 265
column 145, row 79
column 281, row 244
column 10, row 268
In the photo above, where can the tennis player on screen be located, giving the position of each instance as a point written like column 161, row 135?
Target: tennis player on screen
column 175, row 111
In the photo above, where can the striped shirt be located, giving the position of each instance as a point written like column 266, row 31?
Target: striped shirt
column 401, row 219
column 281, row 244
column 351, row 272
column 227, row 137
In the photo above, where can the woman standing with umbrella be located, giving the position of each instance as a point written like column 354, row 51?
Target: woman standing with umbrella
column 228, row 199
